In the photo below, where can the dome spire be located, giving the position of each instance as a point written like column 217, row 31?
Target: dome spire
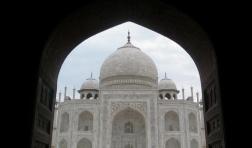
column 165, row 77
column 183, row 93
column 128, row 37
column 91, row 76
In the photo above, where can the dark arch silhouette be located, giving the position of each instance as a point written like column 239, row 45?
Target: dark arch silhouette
column 80, row 24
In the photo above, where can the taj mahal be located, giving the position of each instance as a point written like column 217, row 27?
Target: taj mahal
column 128, row 107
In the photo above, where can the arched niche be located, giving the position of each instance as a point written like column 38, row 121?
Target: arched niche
column 85, row 121
column 168, row 96
column 128, row 146
column 128, row 129
column 84, row 143
column 194, row 144
column 89, row 96
column 96, row 96
column 82, row 96
column 160, row 96
column 171, row 121
column 174, row 96
column 172, row 143
column 63, row 144
column 64, row 124
column 192, row 123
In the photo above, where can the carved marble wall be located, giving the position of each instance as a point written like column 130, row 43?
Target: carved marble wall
column 131, row 119
column 116, row 102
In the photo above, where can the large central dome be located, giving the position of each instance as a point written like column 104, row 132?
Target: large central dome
column 128, row 67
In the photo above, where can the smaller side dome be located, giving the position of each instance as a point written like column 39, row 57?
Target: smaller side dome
column 67, row 98
column 167, row 84
column 189, row 98
column 90, row 84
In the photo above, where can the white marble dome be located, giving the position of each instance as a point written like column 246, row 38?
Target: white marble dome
column 90, row 84
column 166, row 84
column 128, row 65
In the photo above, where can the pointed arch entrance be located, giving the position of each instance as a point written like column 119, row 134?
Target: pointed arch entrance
column 128, row 129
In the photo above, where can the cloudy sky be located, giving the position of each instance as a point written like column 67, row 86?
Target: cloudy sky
column 168, row 56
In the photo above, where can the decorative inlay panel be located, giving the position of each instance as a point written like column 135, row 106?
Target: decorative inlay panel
column 118, row 106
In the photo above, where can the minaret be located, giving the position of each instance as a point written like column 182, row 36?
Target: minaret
column 192, row 92
column 197, row 95
column 165, row 76
column 74, row 93
column 59, row 97
column 65, row 92
column 183, row 93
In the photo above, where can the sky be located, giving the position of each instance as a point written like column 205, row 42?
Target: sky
column 168, row 56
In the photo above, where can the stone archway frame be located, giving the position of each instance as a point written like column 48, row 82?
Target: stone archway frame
column 93, row 18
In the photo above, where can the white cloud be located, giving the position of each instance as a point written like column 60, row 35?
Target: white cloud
column 168, row 56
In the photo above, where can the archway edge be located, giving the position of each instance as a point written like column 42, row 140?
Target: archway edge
column 92, row 19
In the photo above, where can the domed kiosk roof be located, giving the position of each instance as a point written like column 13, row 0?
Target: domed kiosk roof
column 167, row 84
column 90, row 84
column 128, row 65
